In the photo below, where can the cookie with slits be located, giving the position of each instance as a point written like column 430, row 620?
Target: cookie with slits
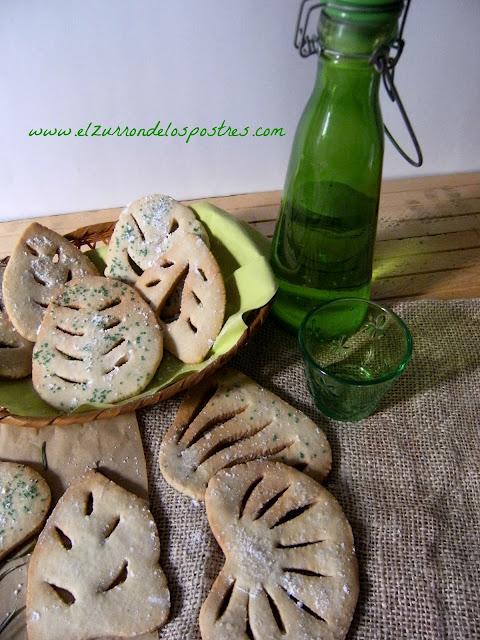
column 15, row 350
column 99, row 343
column 24, row 503
column 146, row 228
column 95, row 570
column 41, row 263
column 290, row 569
column 230, row 419
column 186, row 290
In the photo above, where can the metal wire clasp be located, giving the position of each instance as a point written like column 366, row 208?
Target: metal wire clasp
column 386, row 66
column 306, row 44
column 385, row 63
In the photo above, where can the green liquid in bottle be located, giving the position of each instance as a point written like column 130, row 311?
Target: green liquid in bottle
column 323, row 254
column 323, row 244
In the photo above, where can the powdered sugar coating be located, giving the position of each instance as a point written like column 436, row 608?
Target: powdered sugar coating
column 99, row 343
column 41, row 263
column 290, row 570
column 230, row 419
column 145, row 230
column 100, row 547
column 24, row 504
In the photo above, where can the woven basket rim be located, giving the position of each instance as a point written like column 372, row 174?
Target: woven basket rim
column 89, row 236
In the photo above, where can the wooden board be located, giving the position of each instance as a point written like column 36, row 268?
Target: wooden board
column 428, row 243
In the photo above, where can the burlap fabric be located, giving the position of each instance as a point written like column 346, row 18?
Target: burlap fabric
column 408, row 480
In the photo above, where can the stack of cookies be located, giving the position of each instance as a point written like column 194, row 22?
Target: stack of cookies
column 100, row 339
column 290, row 570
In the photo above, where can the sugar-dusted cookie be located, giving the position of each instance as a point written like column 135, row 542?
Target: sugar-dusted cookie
column 99, row 342
column 230, row 419
column 24, row 504
column 145, row 230
column 15, row 351
column 95, row 569
column 41, row 263
column 187, row 271
column 290, row 570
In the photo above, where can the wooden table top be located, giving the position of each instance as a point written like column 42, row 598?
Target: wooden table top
column 428, row 242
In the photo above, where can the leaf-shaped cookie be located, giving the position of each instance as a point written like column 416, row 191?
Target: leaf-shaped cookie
column 15, row 351
column 190, row 264
column 290, row 570
column 230, row 419
column 95, row 570
column 24, row 504
column 145, row 230
column 99, row 342
column 41, row 263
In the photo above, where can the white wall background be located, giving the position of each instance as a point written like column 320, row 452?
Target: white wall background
column 67, row 62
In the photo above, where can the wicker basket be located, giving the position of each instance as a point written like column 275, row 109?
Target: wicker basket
column 90, row 237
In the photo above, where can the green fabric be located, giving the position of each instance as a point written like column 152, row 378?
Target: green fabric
column 242, row 254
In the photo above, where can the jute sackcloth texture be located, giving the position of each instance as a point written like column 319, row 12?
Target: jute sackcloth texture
column 407, row 478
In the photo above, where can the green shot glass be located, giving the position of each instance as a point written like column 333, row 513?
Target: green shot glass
column 353, row 350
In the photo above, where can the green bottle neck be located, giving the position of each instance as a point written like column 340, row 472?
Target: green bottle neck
column 355, row 42
column 347, row 48
column 354, row 79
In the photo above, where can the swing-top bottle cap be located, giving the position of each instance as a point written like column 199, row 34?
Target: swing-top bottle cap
column 368, row 5
column 364, row 10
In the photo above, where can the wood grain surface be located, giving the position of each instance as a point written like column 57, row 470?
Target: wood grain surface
column 428, row 243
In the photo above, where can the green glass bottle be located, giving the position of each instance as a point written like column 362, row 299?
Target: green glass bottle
column 323, row 243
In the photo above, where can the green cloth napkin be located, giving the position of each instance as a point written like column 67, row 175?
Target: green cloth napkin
column 242, row 254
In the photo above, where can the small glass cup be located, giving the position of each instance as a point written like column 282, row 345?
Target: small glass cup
column 353, row 350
